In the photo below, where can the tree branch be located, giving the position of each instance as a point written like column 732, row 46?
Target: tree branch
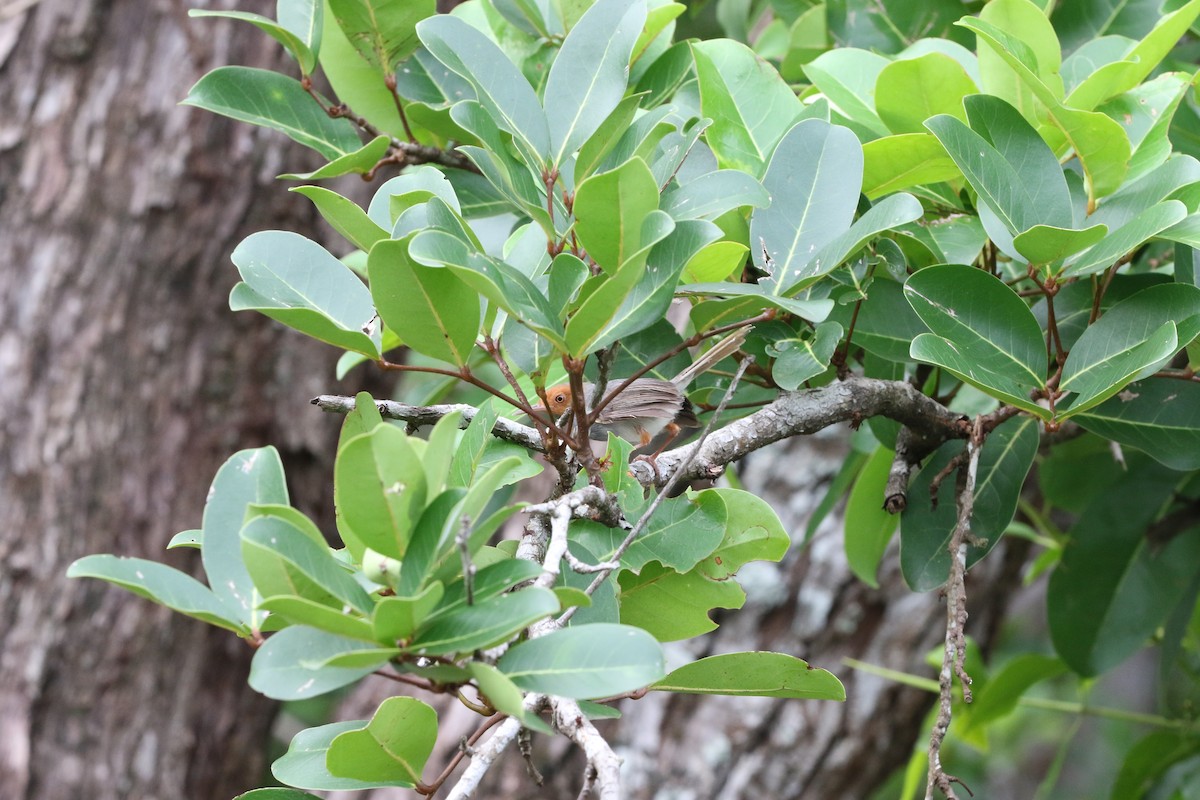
column 504, row 428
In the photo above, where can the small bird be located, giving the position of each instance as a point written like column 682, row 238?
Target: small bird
column 648, row 406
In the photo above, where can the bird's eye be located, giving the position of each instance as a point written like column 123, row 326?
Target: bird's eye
column 560, row 398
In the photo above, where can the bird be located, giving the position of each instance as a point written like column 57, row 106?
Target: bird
column 647, row 407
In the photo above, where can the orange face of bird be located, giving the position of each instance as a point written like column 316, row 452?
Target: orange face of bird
column 559, row 398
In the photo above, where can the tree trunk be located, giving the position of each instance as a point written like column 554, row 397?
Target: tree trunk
column 125, row 382
column 810, row 606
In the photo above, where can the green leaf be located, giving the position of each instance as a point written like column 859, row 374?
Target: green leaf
column 982, row 332
column 753, row 532
column 247, row 477
column 1000, row 694
column 1015, row 173
column 754, row 674
column 750, row 105
column 382, row 31
column 396, row 618
column 1149, row 223
column 1046, row 244
column 1159, row 416
column 304, row 762
column 600, row 143
column 585, row 662
column 504, row 696
column 910, row 91
column 499, row 86
column 899, row 162
column 431, row 309
column 298, row 48
column 356, row 82
column 868, row 526
column 848, row 77
column 361, row 161
column 392, row 749
column 276, row 794
column 1147, row 761
column 813, row 179
column 682, row 532
column 416, row 185
column 489, row 582
column 297, row 282
column 304, row 18
column 379, row 489
column 925, row 531
column 715, row 262
column 165, row 585
column 589, row 74
column 302, row 611
column 263, row 97
column 1024, row 25
column 344, row 216
column 811, row 310
column 672, row 606
column 714, row 193
column 610, row 211
column 1107, row 357
column 279, row 668
column 1112, row 588
column 886, row 214
column 286, row 555
column 1146, row 112
column 193, row 538
column 800, row 359
column 886, row 323
column 484, row 624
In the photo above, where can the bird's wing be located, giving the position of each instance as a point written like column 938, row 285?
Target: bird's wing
column 645, row 397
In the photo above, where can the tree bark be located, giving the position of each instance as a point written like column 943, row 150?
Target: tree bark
column 125, row 381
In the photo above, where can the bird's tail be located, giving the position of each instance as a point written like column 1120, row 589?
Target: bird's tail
column 715, row 354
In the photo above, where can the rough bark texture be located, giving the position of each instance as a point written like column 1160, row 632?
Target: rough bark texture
column 681, row 747
column 125, row 382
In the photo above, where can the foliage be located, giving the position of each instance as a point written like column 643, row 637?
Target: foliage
column 1010, row 229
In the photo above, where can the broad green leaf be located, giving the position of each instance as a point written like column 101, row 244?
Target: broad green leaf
column 1036, row 45
column 263, row 97
column 753, row 532
column 417, row 184
column 504, row 696
column 800, row 359
column 589, row 74
column 1080, row 21
column 886, row 323
column 1159, row 416
column 279, row 672
column 430, row 540
column 762, row 297
column 500, row 87
column 681, row 533
column 304, row 18
column 585, row 662
column 1098, row 141
column 673, row 606
column 715, row 262
column 598, row 311
column 382, row 31
column 1000, row 694
column 396, row 618
column 602, row 140
column 430, row 308
column 713, row 194
column 379, row 489
column 296, row 46
column 1122, row 76
column 1150, row 223
column 910, row 91
column 1107, row 357
column 165, row 585
column 982, row 332
column 892, row 163
column 485, row 624
column 754, row 674
column 1147, row 761
column 750, row 105
column 355, row 81
column 813, row 179
column 345, row 216
column 302, row 611
column 925, row 531
column 869, row 527
column 884, row 215
column 193, row 538
column 248, row 477
column 848, row 76
column 663, row 77
column 362, row 161
column 1112, row 588
column 297, row 282
column 489, row 582
column 393, row 747
column 304, row 762
column 610, row 211
column 276, row 794
column 286, row 555
column 1007, row 163
column 1146, row 112
column 1046, row 244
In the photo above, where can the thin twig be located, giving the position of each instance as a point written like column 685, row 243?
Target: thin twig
column 468, row 566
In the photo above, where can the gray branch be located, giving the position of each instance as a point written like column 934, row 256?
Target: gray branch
column 427, row 415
